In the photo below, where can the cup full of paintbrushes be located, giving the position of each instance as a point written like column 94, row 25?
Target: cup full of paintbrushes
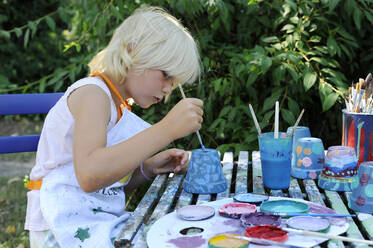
column 357, row 119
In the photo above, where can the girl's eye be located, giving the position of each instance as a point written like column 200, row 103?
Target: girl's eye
column 165, row 74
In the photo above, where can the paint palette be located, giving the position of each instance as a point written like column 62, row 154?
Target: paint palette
column 284, row 206
column 173, row 232
column 195, row 212
column 250, row 198
column 235, row 210
column 309, row 223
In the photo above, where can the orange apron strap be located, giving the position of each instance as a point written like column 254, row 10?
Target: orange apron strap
column 34, row 184
column 115, row 91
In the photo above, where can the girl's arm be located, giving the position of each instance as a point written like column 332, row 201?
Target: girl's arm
column 97, row 166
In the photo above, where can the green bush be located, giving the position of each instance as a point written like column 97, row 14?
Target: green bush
column 303, row 53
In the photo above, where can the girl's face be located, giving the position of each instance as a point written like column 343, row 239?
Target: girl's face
column 149, row 87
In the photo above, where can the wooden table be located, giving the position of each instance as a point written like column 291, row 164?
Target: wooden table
column 166, row 195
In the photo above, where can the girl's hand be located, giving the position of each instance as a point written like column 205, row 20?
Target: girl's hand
column 172, row 160
column 184, row 118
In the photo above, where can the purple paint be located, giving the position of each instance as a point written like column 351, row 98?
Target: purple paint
column 318, row 209
column 308, row 223
column 188, row 242
column 259, row 218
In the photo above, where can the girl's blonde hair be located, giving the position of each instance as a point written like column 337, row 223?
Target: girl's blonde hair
column 150, row 39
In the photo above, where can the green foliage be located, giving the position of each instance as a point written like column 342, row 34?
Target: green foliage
column 303, row 53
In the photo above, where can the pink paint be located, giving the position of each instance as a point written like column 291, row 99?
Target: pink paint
column 188, row 242
column 307, row 162
column 235, row 210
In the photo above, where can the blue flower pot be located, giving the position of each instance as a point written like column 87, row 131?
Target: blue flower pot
column 205, row 174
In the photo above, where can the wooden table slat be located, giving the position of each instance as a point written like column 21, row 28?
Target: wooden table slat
column 365, row 220
column 162, row 207
column 134, row 222
column 338, row 205
column 241, row 175
column 257, row 174
column 294, row 189
column 227, row 170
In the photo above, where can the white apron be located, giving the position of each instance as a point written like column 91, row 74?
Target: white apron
column 79, row 219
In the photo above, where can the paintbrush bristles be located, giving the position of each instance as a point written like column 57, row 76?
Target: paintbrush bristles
column 359, row 95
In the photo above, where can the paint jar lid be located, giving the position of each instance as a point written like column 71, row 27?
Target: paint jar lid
column 250, row 198
column 284, row 206
column 195, row 212
column 227, row 240
column 236, row 209
column 268, row 232
column 309, row 223
column 260, row 218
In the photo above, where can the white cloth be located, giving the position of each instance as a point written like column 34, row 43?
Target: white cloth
column 76, row 218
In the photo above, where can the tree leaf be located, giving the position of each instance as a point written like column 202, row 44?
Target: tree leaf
column 309, row 80
column 5, row 34
column 26, row 38
column 50, row 22
column 288, row 116
column 18, row 32
column 332, row 45
column 329, row 101
column 358, row 15
column 332, row 4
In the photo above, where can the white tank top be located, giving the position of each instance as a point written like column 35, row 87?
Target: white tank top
column 52, row 206
column 56, row 139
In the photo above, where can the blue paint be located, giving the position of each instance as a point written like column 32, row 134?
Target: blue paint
column 276, row 160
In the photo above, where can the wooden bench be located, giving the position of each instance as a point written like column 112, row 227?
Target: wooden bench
column 166, row 195
column 19, row 104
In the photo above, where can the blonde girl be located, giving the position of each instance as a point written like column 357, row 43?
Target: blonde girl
column 93, row 148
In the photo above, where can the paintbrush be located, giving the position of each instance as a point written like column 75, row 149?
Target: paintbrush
column 276, row 119
column 197, row 132
column 297, row 122
column 255, row 120
column 313, row 215
column 327, row 236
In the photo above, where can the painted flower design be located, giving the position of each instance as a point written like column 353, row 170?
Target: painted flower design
column 307, row 151
column 360, row 201
column 307, row 162
column 364, row 179
column 312, row 175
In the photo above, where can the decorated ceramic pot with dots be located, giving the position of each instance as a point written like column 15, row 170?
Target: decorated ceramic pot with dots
column 361, row 199
column 309, row 158
column 340, row 169
column 300, row 132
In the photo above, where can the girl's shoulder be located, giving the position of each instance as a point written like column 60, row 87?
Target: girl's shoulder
column 88, row 81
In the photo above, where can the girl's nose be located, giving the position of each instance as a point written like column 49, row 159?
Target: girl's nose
column 167, row 89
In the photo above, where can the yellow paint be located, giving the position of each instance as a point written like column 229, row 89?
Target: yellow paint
column 299, row 163
column 299, row 150
column 307, row 151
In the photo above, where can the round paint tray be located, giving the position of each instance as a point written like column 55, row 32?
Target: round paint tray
column 250, row 198
column 227, row 240
column 268, row 232
column 284, row 206
column 259, row 218
column 309, row 223
column 195, row 212
column 236, row 209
